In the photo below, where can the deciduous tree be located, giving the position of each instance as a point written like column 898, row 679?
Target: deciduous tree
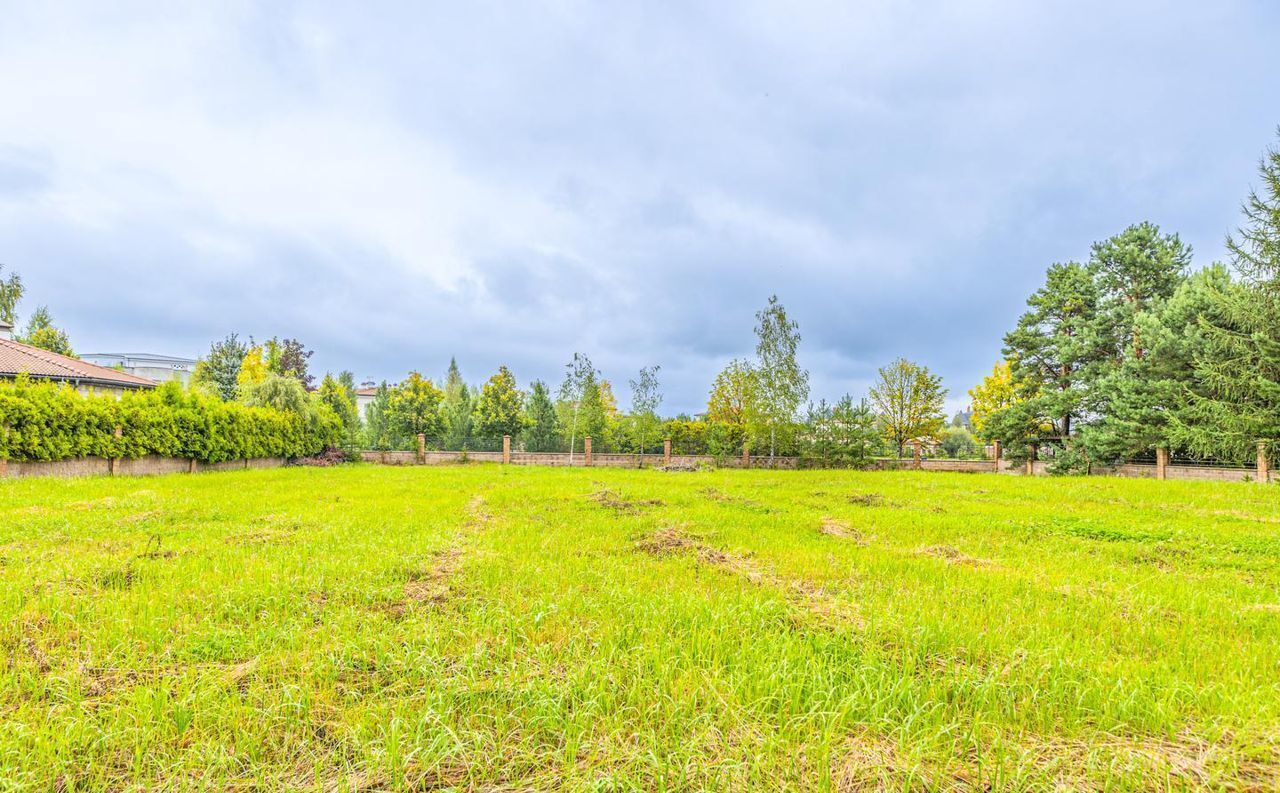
column 996, row 392
column 646, row 396
column 580, row 377
column 499, row 409
column 11, row 290
column 42, row 333
column 908, row 401
column 414, row 408
column 783, row 385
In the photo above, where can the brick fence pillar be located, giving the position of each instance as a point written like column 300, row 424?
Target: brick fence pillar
column 115, row 461
column 506, row 449
column 422, row 448
column 915, row 455
column 1264, row 468
column 666, row 451
column 746, row 455
column 586, row 451
column 995, row 456
column 1162, row 463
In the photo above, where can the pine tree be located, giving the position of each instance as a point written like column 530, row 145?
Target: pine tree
column 1054, row 351
column 1146, row 394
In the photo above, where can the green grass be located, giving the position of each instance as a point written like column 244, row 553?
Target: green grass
column 487, row 627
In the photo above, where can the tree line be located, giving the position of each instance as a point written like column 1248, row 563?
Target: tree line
column 761, row 405
column 1133, row 350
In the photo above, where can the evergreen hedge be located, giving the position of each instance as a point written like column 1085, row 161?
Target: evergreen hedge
column 41, row 421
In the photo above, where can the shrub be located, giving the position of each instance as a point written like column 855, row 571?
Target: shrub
column 1069, row 460
column 45, row 421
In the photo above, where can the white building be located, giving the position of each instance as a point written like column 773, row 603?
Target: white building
column 160, row 368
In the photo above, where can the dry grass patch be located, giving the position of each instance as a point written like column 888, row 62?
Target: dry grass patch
column 622, row 505
column 867, row 500
column 838, row 528
column 952, row 555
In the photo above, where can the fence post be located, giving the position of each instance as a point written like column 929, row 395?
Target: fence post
column 506, row 449
column 995, row 455
column 915, row 455
column 666, row 452
column 1264, row 468
column 1162, row 463
column 586, row 451
column 422, row 448
column 746, row 455
column 113, row 462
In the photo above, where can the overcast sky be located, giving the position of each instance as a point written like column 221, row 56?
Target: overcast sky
column 396, row 184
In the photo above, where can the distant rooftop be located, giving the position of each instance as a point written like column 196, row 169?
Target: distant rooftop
column 149, row 357
column 16, row 358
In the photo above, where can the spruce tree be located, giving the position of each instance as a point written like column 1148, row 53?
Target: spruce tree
column 542, row 433
column 455, row 411
column 1237, row 403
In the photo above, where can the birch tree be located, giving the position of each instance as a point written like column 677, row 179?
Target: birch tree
column 783, row 385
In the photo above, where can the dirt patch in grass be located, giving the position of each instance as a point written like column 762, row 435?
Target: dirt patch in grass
column 869, row 763
column 952, row 555
column 436, row 583
column 867, row 500
column 432, row 585
column 813, row 599
column 622, row 505
column 97, row 681
column 838, row 528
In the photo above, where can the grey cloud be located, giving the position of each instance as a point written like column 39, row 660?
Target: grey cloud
column 512, row 184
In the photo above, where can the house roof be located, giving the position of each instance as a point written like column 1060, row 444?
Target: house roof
column 366, row 392
column 16, row 358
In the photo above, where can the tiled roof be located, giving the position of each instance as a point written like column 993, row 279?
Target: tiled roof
column 41, row 364
column 366, row 392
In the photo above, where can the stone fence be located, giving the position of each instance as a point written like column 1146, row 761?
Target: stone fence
column 1163, row 468
column 123, row 466
column 578, row 459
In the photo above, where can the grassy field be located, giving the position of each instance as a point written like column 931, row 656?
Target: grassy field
column 482, row 627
